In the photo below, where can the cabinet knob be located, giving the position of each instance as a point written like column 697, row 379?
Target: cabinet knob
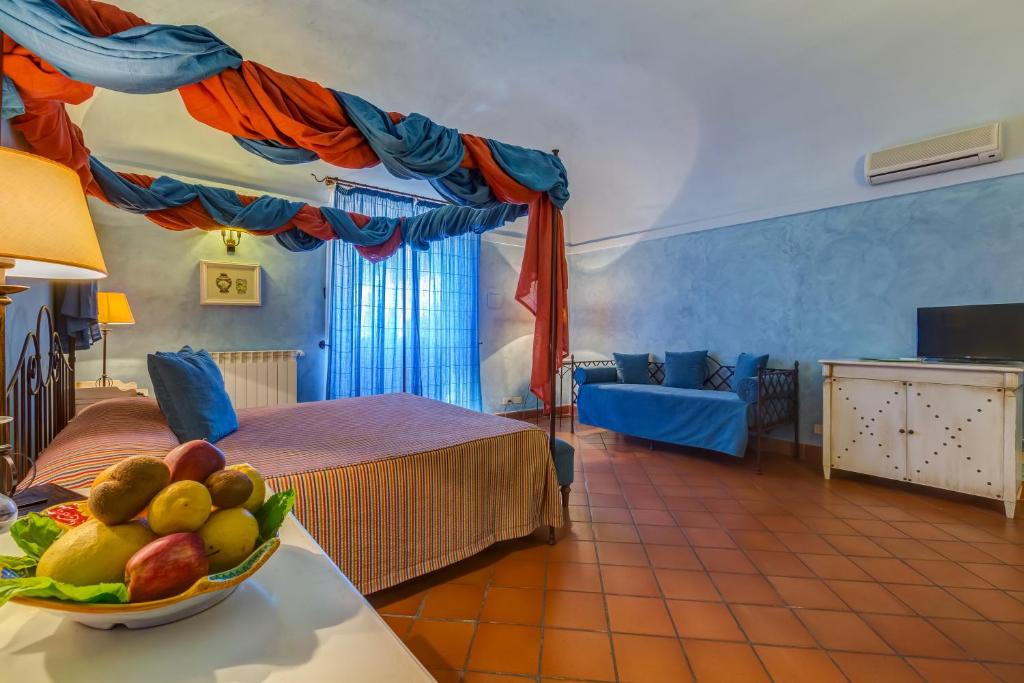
column 903, row 431
column 910, row 431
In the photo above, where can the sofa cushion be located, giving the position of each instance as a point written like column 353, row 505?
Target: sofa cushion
column 703, row 418
column 746, row 366
column 631, row 368
column 594, row 375
column 685, row 369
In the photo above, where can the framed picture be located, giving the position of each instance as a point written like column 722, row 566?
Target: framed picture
column 229, row 284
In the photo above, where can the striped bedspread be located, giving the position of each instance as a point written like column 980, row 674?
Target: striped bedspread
column 392, row 486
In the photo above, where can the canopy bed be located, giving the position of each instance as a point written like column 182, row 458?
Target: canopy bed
column 492, row 475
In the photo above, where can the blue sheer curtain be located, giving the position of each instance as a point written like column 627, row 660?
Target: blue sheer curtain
column 408, row 323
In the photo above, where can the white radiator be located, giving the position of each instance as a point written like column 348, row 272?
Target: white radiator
column 259, row 378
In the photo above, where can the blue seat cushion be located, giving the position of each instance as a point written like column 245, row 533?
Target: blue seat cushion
column 747, row 365
column 190, row 391
column 593, row 375
column 632, row 368
column 685, row 369
column 564, row 456
column 703, row 418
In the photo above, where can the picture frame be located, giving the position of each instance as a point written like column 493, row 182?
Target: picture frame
column 225, row 283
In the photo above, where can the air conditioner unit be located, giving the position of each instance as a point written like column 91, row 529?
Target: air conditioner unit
column 971, row 147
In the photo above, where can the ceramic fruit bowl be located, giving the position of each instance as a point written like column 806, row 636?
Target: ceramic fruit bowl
column 204, row 594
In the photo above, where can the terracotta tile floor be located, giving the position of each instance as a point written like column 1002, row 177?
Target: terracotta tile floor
column 679, row 566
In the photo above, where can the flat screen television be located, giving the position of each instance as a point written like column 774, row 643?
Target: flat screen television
column 971, row 333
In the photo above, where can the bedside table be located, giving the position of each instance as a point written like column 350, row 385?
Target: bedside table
column 87, row 393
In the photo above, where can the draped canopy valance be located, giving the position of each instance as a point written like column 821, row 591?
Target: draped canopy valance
column 56, row 52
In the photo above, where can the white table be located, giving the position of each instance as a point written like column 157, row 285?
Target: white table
column 297, row 619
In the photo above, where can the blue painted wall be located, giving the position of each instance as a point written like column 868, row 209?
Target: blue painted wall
column 159, row 271
column 837, row 283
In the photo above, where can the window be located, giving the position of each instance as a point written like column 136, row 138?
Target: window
column 408, row 323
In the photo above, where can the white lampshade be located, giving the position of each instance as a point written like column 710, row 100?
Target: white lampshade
column 45, row 226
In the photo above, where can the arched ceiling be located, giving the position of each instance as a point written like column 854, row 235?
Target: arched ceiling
column 671, row 115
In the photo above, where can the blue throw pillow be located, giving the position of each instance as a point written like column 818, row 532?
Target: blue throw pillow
column 631, row 368
column 685, row 369
column 190, row 391
column 746, row 366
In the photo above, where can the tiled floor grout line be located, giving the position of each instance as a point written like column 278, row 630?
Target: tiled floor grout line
column 741, row 494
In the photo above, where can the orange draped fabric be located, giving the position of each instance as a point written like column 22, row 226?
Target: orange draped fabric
column 259, row 103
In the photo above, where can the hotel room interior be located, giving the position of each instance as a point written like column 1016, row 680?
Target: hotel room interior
column 658, row 341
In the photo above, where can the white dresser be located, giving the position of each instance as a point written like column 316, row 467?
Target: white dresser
column 952, row 426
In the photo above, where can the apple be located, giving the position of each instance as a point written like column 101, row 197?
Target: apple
column 195, row 460
column 167, row 566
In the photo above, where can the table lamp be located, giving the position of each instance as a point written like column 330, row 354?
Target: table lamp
column 112, row 309
column 45, row 232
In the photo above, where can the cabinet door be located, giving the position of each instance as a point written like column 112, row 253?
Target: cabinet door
column 868, row 417
column 955, row 437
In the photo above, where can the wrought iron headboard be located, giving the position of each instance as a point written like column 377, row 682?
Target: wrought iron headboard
column 40, row 395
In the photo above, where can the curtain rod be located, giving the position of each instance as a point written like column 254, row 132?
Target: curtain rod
column 333, row 180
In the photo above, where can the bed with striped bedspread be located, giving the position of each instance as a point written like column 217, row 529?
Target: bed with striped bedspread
column 392, row 486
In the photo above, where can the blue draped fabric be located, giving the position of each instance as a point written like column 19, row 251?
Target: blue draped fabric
column 417, row 147
column 77, row 312
column 267, row 213
column 276, row 152
column 13, row 106
column 145, row 59
column 408, row 323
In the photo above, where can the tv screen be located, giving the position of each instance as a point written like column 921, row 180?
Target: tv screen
column 989, row 332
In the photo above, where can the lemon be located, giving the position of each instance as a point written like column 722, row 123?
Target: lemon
column 93, row 553
column 229, row 537
column 259, row 487
column 182, row 506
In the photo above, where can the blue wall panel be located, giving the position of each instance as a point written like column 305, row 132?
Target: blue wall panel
column 836, row 283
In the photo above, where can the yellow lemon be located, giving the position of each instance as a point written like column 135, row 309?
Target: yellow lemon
column 229, row 537
column 93, row 553
column 182, row 506
column 259, row 487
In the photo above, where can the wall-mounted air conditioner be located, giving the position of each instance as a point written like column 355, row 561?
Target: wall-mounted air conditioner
column 970, row 147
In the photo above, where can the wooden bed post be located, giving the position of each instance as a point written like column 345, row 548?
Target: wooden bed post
column 553, row 343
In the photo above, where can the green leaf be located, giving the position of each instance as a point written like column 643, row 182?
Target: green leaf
column 45, row 587
column 34, row 533
column 19, row 565
column 271, row 516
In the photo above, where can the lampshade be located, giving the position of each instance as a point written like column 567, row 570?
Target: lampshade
column 114, row 309
column 44, row 221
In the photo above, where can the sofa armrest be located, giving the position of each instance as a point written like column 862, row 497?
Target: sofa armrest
column 595, row 375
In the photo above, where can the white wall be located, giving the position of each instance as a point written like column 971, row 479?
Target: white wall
column 671, row 115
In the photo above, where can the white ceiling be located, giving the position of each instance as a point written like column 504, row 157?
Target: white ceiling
column 671, row 115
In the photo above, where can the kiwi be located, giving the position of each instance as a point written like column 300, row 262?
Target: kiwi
column 125, row 489
column 229, row 488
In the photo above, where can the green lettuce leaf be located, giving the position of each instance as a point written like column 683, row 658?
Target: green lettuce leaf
column 34, row 533
column 45, row 587
column 271, row 516
column 19, row 565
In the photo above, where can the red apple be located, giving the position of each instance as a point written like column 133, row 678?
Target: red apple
column 167, row 566
column 195, row 460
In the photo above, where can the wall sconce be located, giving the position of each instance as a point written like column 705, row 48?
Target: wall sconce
column 231, row 239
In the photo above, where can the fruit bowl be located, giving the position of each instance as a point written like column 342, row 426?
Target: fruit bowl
column 204, row 594
column 70, row 531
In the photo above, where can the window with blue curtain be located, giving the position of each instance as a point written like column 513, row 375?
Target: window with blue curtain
column 408, row 323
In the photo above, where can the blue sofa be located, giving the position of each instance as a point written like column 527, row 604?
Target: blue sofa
column 716, row 418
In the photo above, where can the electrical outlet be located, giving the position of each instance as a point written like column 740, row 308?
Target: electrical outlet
column 511, row 400
column 818, row 428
